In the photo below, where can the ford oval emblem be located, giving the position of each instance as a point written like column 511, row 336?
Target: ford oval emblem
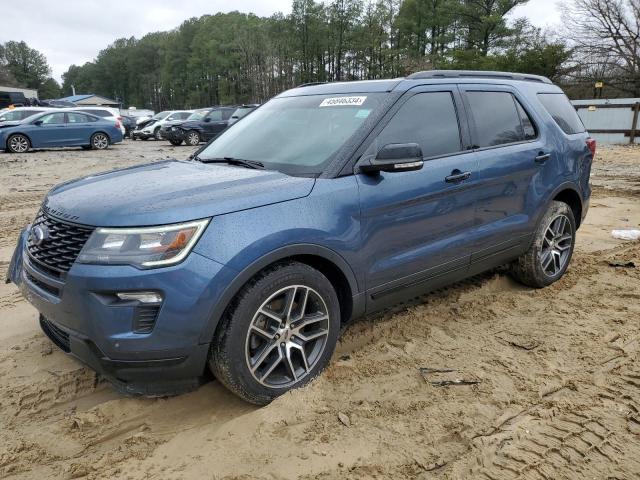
column 39, row 235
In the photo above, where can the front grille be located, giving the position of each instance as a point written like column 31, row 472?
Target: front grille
column 63, row 243
column 44, row 286
column 56, row 334
column 145, row 318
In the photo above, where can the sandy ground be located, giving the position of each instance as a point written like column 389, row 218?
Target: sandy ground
column 558, row 393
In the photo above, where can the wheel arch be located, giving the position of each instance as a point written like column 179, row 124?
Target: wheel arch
column 6, row 142
column 571, row 197
column 326, row 261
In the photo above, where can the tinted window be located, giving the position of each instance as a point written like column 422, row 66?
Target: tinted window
column 99, row 113
column 52, row 119
column 182, row 115
column 496, row 119
column 428, row 119
column 215, row 115
column 77, row 118
column 226, row 113
column 560, row 108
column 528, row 128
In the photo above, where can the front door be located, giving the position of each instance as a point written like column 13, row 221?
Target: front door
column 51, row 132
column 213, row 124
column 415, row 224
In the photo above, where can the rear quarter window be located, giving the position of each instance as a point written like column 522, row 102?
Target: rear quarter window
column 99, row 113
column 560, row 108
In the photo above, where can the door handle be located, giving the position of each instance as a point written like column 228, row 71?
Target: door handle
column 542, row 157
column 457, row 176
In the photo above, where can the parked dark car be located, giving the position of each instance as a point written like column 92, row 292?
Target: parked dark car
column 17, row 99
column 59, row 129
column 201, row 126
column 241, row 111
column 326, row 203
column 129, row 124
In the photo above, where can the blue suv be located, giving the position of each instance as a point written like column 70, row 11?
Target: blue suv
column 328, row 202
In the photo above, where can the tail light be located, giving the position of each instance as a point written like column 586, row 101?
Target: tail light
column 117, row 123
column 591, row 145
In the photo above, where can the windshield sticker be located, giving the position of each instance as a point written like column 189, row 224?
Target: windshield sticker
column 362, row 113
column 343, row 101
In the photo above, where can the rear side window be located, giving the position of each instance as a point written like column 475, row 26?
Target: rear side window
column 497, row 119
column 428, row 119
column 99, row 113
column 77, row 118
column 560, row 108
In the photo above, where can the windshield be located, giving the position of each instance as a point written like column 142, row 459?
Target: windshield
column 160, row 116
column 295, row 135
column 198, row 114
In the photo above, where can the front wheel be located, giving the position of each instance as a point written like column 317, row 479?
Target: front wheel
column 548, row 258
column 156, row 134
column 175, row 142
column 18, row 144
column 99, row 141
column 192, row 138
column 278, row 334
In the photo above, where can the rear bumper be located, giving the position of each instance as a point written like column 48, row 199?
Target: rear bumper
column 79, row 314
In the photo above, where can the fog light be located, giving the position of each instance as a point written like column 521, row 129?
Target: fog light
column 142, row 297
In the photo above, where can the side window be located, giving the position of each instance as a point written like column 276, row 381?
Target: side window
column 183, row 115
column 77, row 118
column 428, row 119
column 528, row 128
column 215, row 115
column 559, row 107
column 226, row 113
column 53, row 119
column 496, row 119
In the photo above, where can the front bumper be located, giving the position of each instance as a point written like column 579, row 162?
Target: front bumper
column 77, row 315
column 175, row 134
column 140, row 134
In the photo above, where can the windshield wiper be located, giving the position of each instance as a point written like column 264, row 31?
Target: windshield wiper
column 232, row 161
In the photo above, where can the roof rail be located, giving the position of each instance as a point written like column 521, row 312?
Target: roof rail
column 309, row 84
column 477, row 74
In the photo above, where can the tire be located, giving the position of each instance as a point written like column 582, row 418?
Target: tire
column 549, row 256
column 100, row 141
column 18, row 143
column 175, row 142
column 257, row 359
column 192, row 138
column 156, row 134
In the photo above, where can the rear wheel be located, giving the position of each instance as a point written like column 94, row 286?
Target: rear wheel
column 18, row 144
column 175, row 142
column 550, row 253
column 278, row 334
column 99, row 141
column 192, row 138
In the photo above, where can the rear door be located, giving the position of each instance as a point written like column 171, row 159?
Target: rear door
column 79, row 127
column 512, row 155
column 415, row 224
column 52, row 132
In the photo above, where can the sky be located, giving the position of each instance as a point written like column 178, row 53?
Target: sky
column 74, row 31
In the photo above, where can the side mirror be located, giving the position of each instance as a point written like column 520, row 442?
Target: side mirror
column 395, row 157
column 207, row 119
column 38, row 123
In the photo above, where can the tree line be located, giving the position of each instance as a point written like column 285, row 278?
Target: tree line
column 236, row 57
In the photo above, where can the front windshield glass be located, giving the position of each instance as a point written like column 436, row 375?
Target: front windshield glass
column 198, row 114
column 160, row 116
column 296, row 135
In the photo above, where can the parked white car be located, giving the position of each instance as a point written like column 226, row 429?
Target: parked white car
column 151, row 128
column 20, row 113
column 108, row 113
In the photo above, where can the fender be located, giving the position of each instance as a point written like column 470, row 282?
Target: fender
column 285, row 252
column 563, row 186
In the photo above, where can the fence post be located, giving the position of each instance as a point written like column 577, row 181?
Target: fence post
column 634, row 124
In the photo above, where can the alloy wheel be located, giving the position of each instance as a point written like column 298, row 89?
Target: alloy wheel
column 556, row 245
column 18, row 144
column 100, row 141
column 287, row 336
column 193, row 139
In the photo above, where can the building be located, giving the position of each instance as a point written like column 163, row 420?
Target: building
column 28, row 92
column 92, row 100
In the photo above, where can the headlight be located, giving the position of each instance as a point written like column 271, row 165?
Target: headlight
column 146, row 247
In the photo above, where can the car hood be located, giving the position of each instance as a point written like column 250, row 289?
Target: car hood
column 169, row 192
